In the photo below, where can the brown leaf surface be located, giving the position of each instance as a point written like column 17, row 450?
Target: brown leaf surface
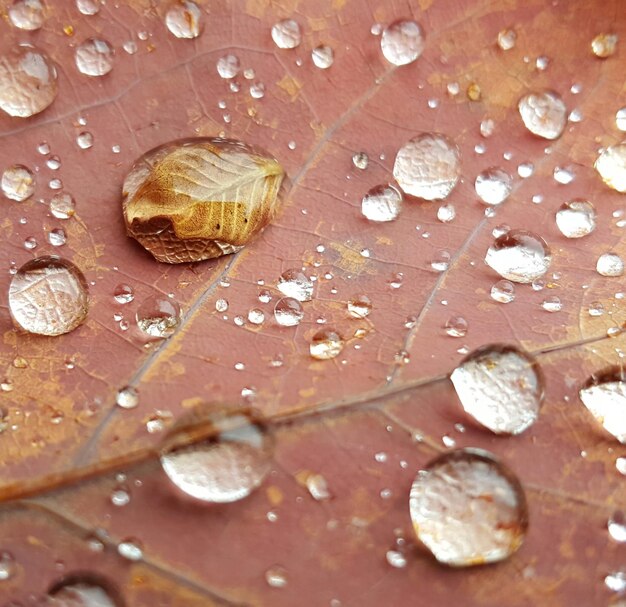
column 332, row 550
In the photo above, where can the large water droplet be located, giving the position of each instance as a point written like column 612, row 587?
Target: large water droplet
column 604, row 394
column 381, row 203
column 27, row 15
column 326, row 344
column 519, row 256
column 79, row 593
column 228, row 66
column 227, row 466
column 293, row 283
column 493, row 185
column 501, row 387
column 323, row 56
column 158, row 316
column 610, row 264
column 468, row 509
column 428, row 166
column 28, row 81
column 544, row 114
column 402, row 42
column 286, row 34
column 48, row 296
column 288, row 312
column 611, row 166
column 94, row 57
column 576, row 218
column 18, row 182
column 184, row 19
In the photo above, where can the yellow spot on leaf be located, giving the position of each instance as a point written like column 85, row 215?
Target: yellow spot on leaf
column 291, row 86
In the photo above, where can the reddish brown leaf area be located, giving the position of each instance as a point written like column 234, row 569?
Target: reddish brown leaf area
column 63, row 417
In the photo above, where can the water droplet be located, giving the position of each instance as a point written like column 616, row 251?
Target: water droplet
column 48, row 296
column 27, row 15
column 604, row 45
column 221, row 305
column 184, row 19
column 276, row 576
column 123, row 293
column 381, row 203
column 576, row 218
column 552, row 304
column 94, row 57
column 402, row 42
column 468, row 509
column 542, row 63
column 563, row 175
column 544, row 114
column 507, row 39
column 88, row 7
column 293, row 283
column 441, row 261
column 7, row 565
column 620, row 119
column 610, row 264
column 326, row 344
column 158, row 316
column 487, row 127
column 288, row 312
column 446, row 213
column 428, row 166
column 493, row 185
column 130, row 47
column 519, row 256
column 317, row 487
column 227, row 466
column 616, row 581
column 611, row 166
column 57, row 237
column 396, row 559
column 323, row 56
column 525, row 170
column 503, row 291
column 130, row 549
column 228, row 66
column 127, row 398
column 256, row 316
column 80, row 592
column 604, row 394
column 616, row 526
column 620, row 465
column 84, row 140
column 53, row 163
column 286, row 34
column 120, row 497
column 18, row 182
column 360, row 306
column 501, row 387
column 55, row 184
column 257, row 90
column 361, row 160
column 456, row 326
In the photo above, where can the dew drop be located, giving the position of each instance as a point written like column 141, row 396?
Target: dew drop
column 286, row 34
column 28, row 15
column 323, row 56
column 576, row 218
column 88, row 7
column 256, row 316
column 396, row 559
column 130, row 549
column 158, row 316
column 288, row 312
column 257, row 90
column 616, row 581
column 503, row 291
column 519, row 256
column 318, row 487
column 127, row 398
column 493, row 186
column 361, row 160
column 123, row 293
column 604, row 394
column 381, row 203
column 18, row 182
column 326, row 344
column 221, row 305
column 468, row 509
column 616, row 526
column 120, row 497
column 7, row 565
column 610, row 264
column 79, row 593
column 456, row 326
column 441, row 261
column 446, row 213
column 276, row 576
column 604, row 45
column 94, row 57
column 402, row 42
column 501, row 387
column 293, row 283
column 544, row 114
column 57, row 237
column 228, row 66
column 552, row 304
column 184, row 19
column 507, row 39
column 84, row 140
column 487, row 127
column 62, row 205
column 525, row 170
column 359, row 306
column 620, row 119
column 611, row 166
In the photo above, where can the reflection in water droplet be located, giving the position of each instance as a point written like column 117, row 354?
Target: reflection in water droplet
column 402, row 42
column 456, row 326
column 28, row 81
column 276, row 576
column 360, row 306
column 604, row 394
column 123, row 294
column 323, row 56
column 503, row 291
column 94, row 57
column 57, row 237
column 428, row 166
column 611, row 166
column 130, row 549
column 226, row 467
column 48, row 296
column 27, row 15
column 158, row 316
column 604, row 45
column 228, row 66
column 576, row 218
column 519, row 256
column 18, row 182
column 88, row 7
column 293, row 283
column 501, row 387
column 79, row 593
column 616, row 526
column 468, row 509
column 507, row 39
column 84, row 140
column 381, row 203
column 288, row 312
column 127, row 398
column 544, row 114
column 610, row 264
column 286, row 34
column 326, row 344
column 7, row 565
column 184, row 19
column 493, row 185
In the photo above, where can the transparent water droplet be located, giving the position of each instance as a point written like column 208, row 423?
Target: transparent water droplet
column 507, row 39
column 84, row 140
column 610, row 264
column 228, row 66
column 620, row 465
column 123, row 293
column 127, row 398
column 81, row 592
column 130, row 549
column 503, row 291
column 94, row 57
column 525, row 170
column 576, row 218
column 616, row 526
column 519, row 256
column 611, row 166
column 596, row 308
column 317, row 487
column 18, row 182
column 446, row 213
column 359, row 306
column 288, row 312
column 323, row 56
column 552, row 304
column 88, row 7
column 53, row 163
column 286, row 34
column 544, row 114
column 396, row 559
column 30, row 243
column 428, row 166
column 276, row 576
column 493, row 185
column 468, row 509
column 7, row 565
column 604, row 45
column 158, row 316
column 487, row 127
column 48, row 296
column 604, row 394
column 293, row 283
column 120, row 497
column 256, row 316
column 184, row 19
column 402, row 42
column 616, row 581
column 456, row 326
column 227, row 466
column 501, row 387
column 221, row 305
column 326, row 344
column 381, row 203
column 28, row 15
column 620, row 119
column 542, row 63
column 361, row 160
column 55, row 184
column 57, row 237
column 440, row 261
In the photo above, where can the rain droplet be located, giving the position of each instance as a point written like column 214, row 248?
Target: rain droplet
column 493, row 185
column 576, row 218
column 507, row 39
column 525, row 170
column 221, row 305
column 79, row 593
column 519, row 256
column 130, row 549
column 604, row 394
column 501, row 387
column 323, row 56
column 94, row 57
column 402, row 42
column 276, row 576
column 84, row 140
column 158, row 316
column 360, row 306
column 88, row 7
column 286, row 34
column 317, row 487
column 227, row 466
column 288, row 312
column 428, row 166
column 184, row 19
column 544, row 114
column 552, row 304
column 611, row 166
column 446, row 213
column 293, row 283
column 256, row 316
column 27, row 15
column 228, row 66
column 563, row 175
column 361, row 160
column 123, row 293
column 616, row 526
column 326, row 344
column 7, row 565
column 18, row 182
column 257, row 90
column 468, row 509
column 396, row 559
column 610, row 264
column 620, row 119
column 48, row 296
column 604, row 45
column 487, row 127
column 57, row 237
column 120, row 497
column 616, row 581
column 456, row 326
column 381, row 203
column 503, row 291
column 127, row 398
column 441, row 261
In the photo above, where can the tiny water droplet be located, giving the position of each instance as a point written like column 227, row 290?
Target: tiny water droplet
column 402, row 42
column 493, row 185
column 88, row 7
column 611, row 166
column 18, row 182
column 286, row 34
column 552, row 304
column 519, row 256
column 456, row 326
column 94, row 57
column 123, row 293
column 57, row 237
column 120, row 497
column 576, row 218
column 359, row 306
column 323, row 56
column 604, row 394
column 276, row 576
column 184, row 19
column 616, row 526
column 288, row 312
column 604, row 45
column 381, row 203
column 610, row 264
column 441, row 261
column 507, row 39
column 317, row 487
column 293, row 283
column 361, row 160
column 326, row 344
column 158, row 316
column 503, row 291
column 544, row 114
column 396, row 559
column 127, row 398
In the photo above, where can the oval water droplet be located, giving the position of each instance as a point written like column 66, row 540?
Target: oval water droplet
column 62, row 205
column 18, row 182
column 158, row 316
column 360, row 306
column 611, row 166
column 82, row 591
column 88, row 7
column 468, row 509
column 519, row 256
column 604, row 45
column 123, row 293
column 544, row 114
column 610, row 264
column 286, row 34
column 576, row 218
column 228, row 66
column 552, row 304
column 326, row 344
column 7, row 565
column 381, row 203
column 276, row 576
column 288, row 312
column 94, row 57
column 616, row 526
column 323, row 56
column 402, row 42
column 361, row 160
column 507, row 39
column 456, row 326
column 184, row 19
column 501, row 387
column 604, row 394
column 503, row 291
column 127, row 398
column 28, row 15
column 84, row 140
column 293, row 283
column 493, row 185
column 130, row 549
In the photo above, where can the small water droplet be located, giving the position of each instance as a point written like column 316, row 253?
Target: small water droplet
column 317, row 487
column 381, row 203
column 525, row 170
column 402, row 42
column 228, row 66
column 616, row 581
column 440, row 261
column 493, row 185
column 326, row 344
column 120, row 497
column 446, row 213
column 456, row 326
column 18, row 182
column 576, row 218
column 57, row 237
column 323, row 56
column 542, row 63
column 610, row 264
column 604, row 45
column 276, row 576
column 88, row 7
column 62, row 205
column 620, row 119
column 123, row 293
column 256, row 316
column 288, row 312
column 158, row 316
column 487, row 127
column 616, row 526
column 7, row 565
column 130, row 549
column 544, row 114
column 552, row 304
column 604, row 394
column 84, row 140
column 257, row 90
column 184, row 19
column 396, row 559
column 94, row 57
column 563, row 175
column 519, row 256
column 361, row 160
column 359, row 306
column 127, row 398
column 507, row 39
column 221, row 305
column 503, row 291
column 286, row 34
column 611, row 166
column 80, row 592
column 293, row 283
column 28, row 15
